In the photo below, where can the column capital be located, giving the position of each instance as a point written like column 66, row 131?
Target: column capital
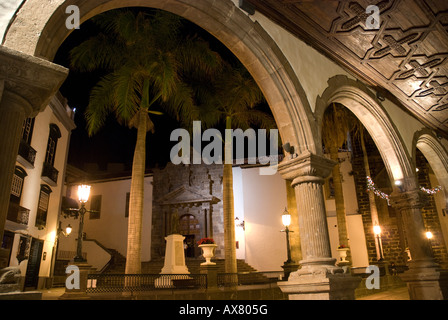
column 33, row 79
column 306, row 167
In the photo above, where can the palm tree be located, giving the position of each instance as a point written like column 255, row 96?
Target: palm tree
column 360, row 133
column 336, row 126
column 232, row 98
column 144, row 58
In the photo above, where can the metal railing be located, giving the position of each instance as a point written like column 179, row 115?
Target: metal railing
column 113, row 283
column 249, row 278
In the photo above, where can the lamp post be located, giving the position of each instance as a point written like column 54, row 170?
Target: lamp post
column 83, row 196
column 289, row 265
column 429, row 236
column 377, row 232
column 286, row 220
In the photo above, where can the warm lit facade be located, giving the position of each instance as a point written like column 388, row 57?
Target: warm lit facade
column 31, row 228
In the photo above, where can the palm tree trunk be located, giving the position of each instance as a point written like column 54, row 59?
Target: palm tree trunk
column 133, row 258
column 339, row 199
column 372, row 203
column 228, row 212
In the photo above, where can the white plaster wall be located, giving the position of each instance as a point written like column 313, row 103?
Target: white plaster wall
column 31, row 189
column 355, row 229
column 264, row 200
column 111, row 229
column 406, row 124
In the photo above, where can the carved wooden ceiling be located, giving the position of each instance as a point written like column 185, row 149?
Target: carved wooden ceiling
column 407, row 55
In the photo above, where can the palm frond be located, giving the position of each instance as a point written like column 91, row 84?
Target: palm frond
column 97, row 52
column 126, row 94
column 101, row 103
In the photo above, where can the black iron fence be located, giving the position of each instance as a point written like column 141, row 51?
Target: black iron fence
column 110, row 283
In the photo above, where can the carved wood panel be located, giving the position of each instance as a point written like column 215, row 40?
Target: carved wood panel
column 407, row 55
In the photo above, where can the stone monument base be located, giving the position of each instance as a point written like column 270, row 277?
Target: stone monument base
column 320, row 284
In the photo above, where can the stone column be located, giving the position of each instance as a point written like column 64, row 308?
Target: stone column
column 318, row 278
column 27, row 84
column 13, row 111
column 425, row 279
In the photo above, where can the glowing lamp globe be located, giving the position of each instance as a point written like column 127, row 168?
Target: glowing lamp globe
column 286, row 218
column 83, row 193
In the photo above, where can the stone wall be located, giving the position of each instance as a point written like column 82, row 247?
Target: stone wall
column 429, row 211
column 392, row 238
column 186, row 190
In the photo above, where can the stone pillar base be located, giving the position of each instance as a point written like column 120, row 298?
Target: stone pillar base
column 212, row 276
column 78, row 293
column 320, row 286
column 426, row 283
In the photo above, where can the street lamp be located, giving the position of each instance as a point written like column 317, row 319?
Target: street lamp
column 83, row 196
column 286, row 220
column 289, row 265
column 377, row 231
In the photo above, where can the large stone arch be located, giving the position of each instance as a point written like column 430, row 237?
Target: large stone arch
column 42, row 34
column 366, row 107
column 427, row 142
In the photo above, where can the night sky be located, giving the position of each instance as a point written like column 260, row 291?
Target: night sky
column 115, row 143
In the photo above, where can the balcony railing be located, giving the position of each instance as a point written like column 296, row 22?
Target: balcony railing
column 50, row 174
column 18, row 214
column 26, row 155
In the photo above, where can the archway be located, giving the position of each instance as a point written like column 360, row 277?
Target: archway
column 391, row 154
column 428, row 147
column 365, row 106
column 41, row 35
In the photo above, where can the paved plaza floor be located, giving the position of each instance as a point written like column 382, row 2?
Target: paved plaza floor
column 393, row 294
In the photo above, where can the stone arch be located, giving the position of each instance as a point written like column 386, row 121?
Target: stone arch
column 427, row 142
column 41, row 35
column 366, row 107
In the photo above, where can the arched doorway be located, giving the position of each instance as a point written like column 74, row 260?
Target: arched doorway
column 190, row 229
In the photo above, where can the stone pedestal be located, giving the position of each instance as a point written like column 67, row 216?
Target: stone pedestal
column 425, row 279
column 175, row 255
column 212, row 276
column 289, row 267
column 426, row 283
column 320, row 286
column 80, row 292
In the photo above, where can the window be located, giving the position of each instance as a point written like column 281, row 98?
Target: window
column 53, row 137
column 95, row 206
column 42, row 208
column 27, row 130
column 17, row 185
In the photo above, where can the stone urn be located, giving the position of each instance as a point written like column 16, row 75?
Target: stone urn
column 343, row 254
column 208, row 251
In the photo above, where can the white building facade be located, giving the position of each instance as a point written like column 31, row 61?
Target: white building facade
column 31, row 227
